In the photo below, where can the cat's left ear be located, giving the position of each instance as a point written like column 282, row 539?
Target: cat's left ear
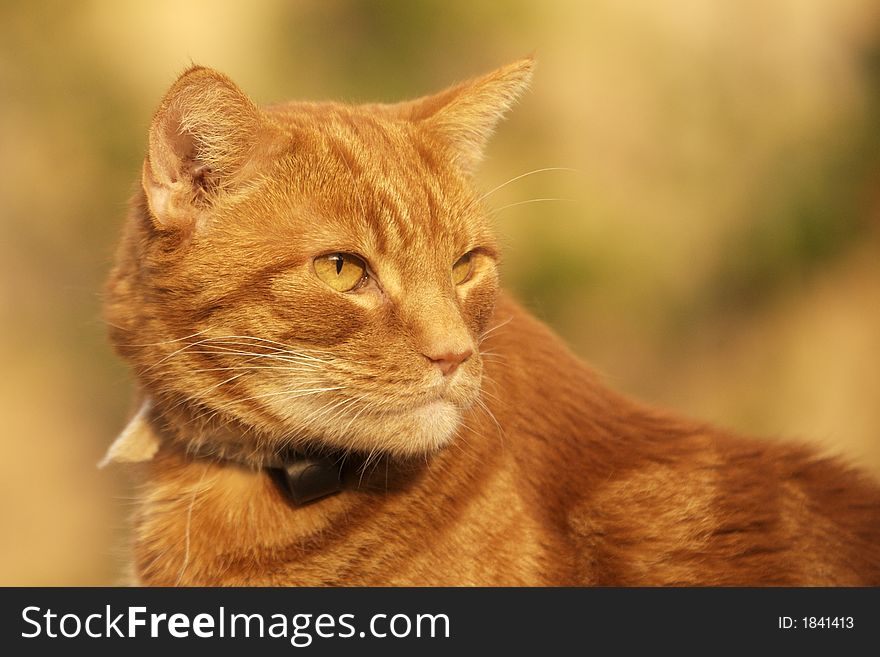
column 203, row 141
column 466, row 114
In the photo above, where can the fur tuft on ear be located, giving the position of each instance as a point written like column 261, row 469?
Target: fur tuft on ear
column 201, row 138
column 466, row 114
column 137, row 442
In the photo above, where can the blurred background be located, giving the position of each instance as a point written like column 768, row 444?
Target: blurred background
column 720, row 256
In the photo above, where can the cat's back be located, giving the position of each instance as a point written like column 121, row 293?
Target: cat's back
column 649, row 497
column 716, row 510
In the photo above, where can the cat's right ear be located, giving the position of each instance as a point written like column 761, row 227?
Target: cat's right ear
column 201, row 140
column 466, row 114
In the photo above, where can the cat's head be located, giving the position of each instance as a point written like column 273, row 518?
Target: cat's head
column 319, row 274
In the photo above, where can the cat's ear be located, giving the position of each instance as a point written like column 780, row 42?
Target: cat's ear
column 466, row 114
column 201, row 140
column 138, row 441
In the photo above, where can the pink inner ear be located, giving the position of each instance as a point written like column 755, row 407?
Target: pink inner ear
column 174, row 176
column 175, row 150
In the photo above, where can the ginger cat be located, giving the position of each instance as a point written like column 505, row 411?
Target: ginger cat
column 334, row 391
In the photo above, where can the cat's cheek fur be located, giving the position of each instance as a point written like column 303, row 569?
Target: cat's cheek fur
column 478, row 303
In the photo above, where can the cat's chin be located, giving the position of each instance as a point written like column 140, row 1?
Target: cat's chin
column 417, row 431
column 413, row 431
column 433, row 426
column 398, row 430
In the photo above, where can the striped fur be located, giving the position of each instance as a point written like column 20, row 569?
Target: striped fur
column 517, row 468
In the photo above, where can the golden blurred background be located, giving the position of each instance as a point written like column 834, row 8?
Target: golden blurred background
column 721, row 257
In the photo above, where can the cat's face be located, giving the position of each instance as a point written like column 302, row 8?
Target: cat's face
column 320, row 273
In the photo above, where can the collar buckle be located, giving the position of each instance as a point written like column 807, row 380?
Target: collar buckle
column 307, row 479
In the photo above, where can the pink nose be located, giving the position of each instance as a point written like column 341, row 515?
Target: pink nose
column 449, row 361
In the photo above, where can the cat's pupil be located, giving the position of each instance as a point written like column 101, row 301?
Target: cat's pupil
column 338, row 264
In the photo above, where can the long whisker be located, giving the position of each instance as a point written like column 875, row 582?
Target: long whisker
column 173, row 354
column 229, row 405
column 204, row 391
column 252, row 356
column 525, row 175
column 158, row 344
column 284, row 346
column 331, row 411
column 189, row 512
column 287, row 351
column 532, row 200
column 491, row 396
column 221, row 341
column 283, row 368
column 491, row 415
column 354, row 418
column 486, row 333
column 295, row 393
column 328, row 408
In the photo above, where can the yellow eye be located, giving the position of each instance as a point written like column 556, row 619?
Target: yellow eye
column 461, row 270
column 341, row 271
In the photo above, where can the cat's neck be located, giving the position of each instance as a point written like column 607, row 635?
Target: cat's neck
column 208, row 515
column 304, row 475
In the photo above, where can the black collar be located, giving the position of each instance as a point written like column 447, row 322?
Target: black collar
column 303, row 477
column 306, row 478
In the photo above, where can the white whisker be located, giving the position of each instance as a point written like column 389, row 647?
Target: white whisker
column 158, row 344
column 525, row 175
column 488, row 332
column 189, row 512
column 532, row 200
